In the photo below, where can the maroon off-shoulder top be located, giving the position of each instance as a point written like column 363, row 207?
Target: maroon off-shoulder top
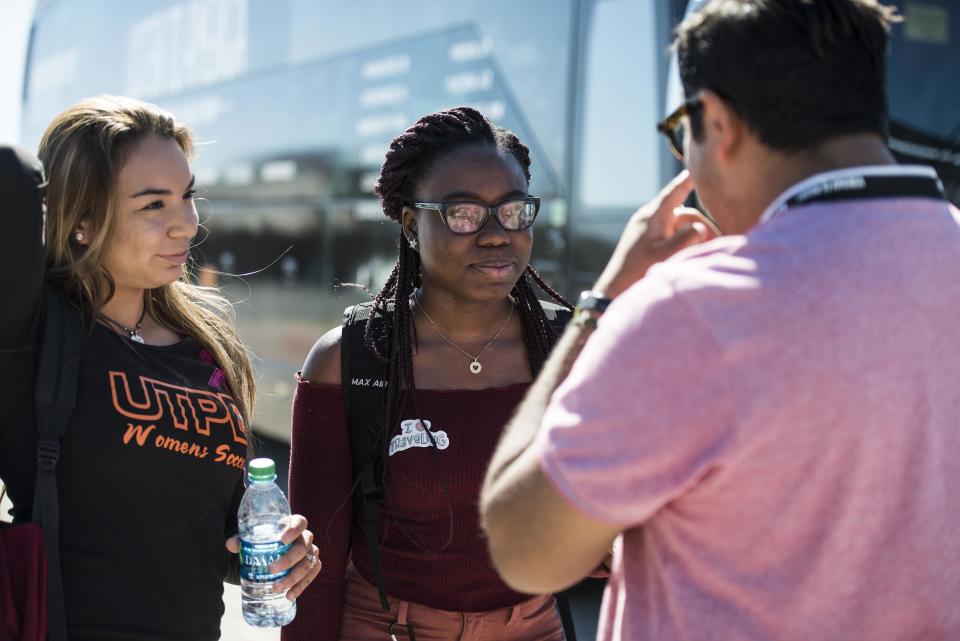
column 433, row 551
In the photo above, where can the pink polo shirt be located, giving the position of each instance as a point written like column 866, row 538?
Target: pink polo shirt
column 774, row 421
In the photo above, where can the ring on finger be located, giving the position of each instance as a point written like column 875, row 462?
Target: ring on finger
column 312, row 558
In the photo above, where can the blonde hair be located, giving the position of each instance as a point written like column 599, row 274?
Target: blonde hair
column 82, row 152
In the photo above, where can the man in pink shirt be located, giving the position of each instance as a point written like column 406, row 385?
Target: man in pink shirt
column 765, row 426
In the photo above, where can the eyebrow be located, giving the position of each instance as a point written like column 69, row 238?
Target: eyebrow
column 156, row 191
column 516, row 193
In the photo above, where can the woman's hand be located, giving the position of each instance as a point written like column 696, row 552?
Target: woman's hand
column 301, row 559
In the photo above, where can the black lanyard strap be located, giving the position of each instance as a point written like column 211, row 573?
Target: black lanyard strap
column 858, row 187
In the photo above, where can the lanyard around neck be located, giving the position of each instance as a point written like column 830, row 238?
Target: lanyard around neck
column 862, row 187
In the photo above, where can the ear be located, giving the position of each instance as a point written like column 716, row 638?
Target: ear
column 724, row 130
column 409, row 223
column 83, row 234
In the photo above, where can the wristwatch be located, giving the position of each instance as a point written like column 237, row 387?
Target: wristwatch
column 589, row 308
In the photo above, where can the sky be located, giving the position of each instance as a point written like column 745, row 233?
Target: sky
column 14, row 30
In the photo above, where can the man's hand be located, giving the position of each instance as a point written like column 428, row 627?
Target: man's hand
column 654, row 233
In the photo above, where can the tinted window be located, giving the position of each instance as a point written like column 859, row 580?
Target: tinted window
column 294, row 102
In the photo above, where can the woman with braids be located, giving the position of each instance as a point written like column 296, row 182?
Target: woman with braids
column 459, row 334
column 150, row 469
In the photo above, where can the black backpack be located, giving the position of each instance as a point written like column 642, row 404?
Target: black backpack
column 364, row 381
column 56, row 396
column 57, row 375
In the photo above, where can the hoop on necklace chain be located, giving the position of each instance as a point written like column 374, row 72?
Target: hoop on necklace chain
column 475, row 366
column 132, row 334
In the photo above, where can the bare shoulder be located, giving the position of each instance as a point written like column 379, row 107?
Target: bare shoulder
column 323, row 362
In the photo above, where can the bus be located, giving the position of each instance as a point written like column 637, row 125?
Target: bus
column 295, row 101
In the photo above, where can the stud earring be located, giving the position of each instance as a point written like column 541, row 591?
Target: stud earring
column 413, row 243
column 78, row 236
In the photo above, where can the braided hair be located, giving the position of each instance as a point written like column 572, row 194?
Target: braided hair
column 411, row 154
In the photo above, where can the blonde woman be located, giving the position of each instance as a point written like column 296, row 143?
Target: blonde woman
column 150, row 471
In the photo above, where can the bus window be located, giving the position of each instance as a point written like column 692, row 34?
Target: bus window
column 619, row 160
column 619, row 164
column 519, row 41
column 922, row 88
column 294, row 103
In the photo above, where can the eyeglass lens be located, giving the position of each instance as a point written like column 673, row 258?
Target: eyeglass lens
column 676, row 137
column 466, row 218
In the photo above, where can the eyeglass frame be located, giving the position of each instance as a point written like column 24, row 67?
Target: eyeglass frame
column 668, row 126
column 491, row 210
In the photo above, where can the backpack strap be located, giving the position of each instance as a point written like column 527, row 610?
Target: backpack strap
column 557, row 316
column 364, row 378
column 56, row 395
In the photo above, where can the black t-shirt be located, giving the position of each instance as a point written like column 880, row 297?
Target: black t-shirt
column 150, row 472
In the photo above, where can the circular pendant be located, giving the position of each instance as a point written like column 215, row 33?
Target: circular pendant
column 475, row 367
column 136, row 338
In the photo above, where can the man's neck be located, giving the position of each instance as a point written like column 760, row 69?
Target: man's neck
column 778, row 171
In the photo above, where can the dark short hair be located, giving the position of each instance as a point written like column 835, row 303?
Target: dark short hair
column 797, row 71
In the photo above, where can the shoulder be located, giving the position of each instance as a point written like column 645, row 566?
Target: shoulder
column 20, row 169
column 659, row 313
column 725, row 264
column 323, row 362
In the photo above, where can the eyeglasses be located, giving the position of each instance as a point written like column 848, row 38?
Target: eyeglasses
column 672, row 126
column 515, row 214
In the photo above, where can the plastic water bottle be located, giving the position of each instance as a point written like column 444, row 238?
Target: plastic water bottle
column 262, row 519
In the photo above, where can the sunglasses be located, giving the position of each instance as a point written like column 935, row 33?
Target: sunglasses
column 673, row 125
column 515, row 214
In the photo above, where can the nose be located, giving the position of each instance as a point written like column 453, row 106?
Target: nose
column 186, row 221
column 493, row 234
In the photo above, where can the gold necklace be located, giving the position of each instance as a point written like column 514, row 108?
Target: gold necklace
column 475, row 366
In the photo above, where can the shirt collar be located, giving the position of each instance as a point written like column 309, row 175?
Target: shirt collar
column 778, row 205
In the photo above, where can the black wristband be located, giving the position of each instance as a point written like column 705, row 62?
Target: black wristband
column 593, row 302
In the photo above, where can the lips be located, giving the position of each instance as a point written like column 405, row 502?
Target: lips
column 496, row 268
column 176, row 259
